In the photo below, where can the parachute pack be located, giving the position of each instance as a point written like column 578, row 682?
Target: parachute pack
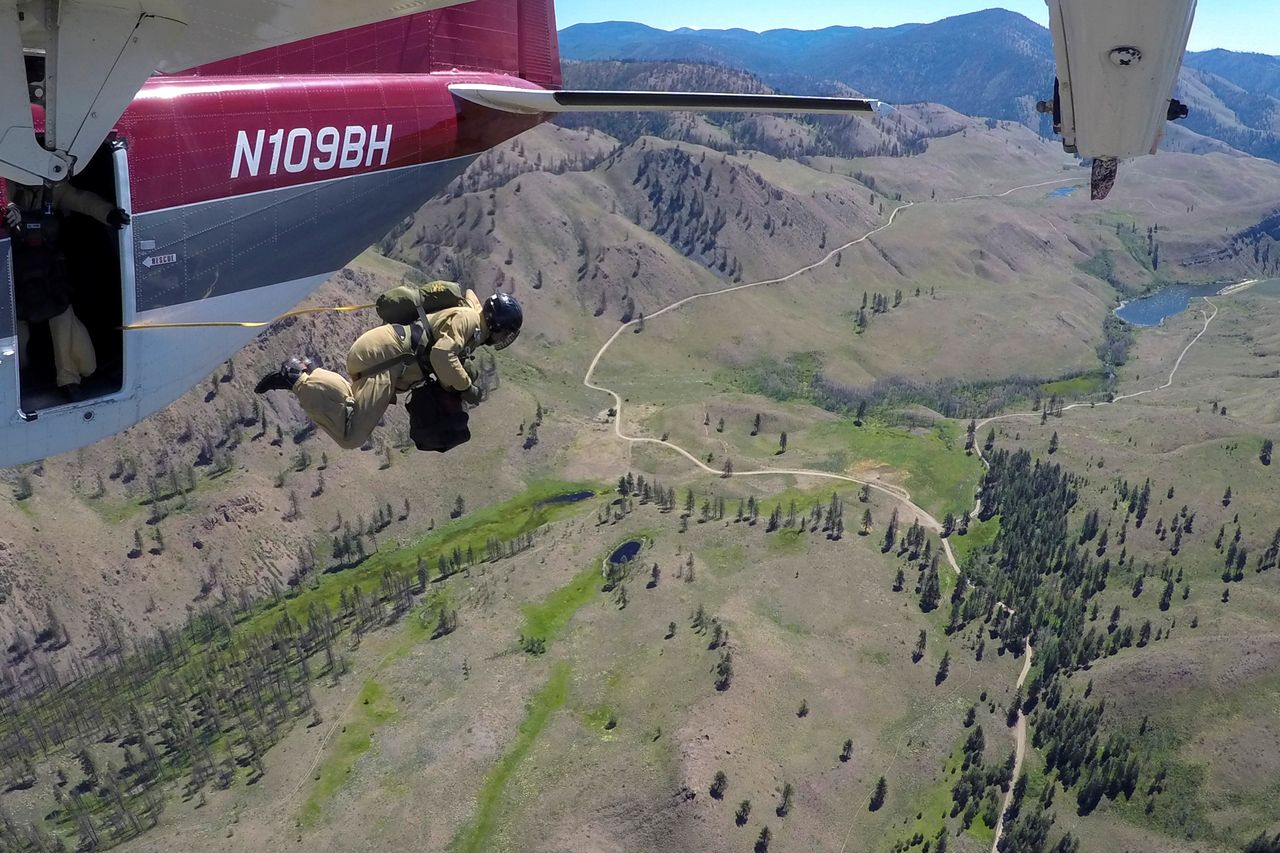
column 407, row 303
column 437, row 419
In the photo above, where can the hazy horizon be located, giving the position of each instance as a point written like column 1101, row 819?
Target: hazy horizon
column 1247, row 26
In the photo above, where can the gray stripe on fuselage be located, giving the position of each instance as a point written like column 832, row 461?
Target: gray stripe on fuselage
column 236, row 244
column 6, row 291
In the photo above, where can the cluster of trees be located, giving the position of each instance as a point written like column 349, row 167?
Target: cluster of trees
column 980, row 787
column 1117, row 339
column 681, row 217
column 879, row 304
column 954, row 398
column 828, row 518
column 530, row 432
column 1050, row 586
column 347, row 545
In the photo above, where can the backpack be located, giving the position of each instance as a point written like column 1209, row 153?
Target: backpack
column 409, row 302
column 437, row 419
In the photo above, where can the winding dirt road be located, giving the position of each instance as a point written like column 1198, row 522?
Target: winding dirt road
column 1019, row 750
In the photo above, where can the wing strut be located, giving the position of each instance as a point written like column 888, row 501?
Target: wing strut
column 511, row 99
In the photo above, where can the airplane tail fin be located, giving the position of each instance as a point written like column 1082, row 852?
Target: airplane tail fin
column 516, row 37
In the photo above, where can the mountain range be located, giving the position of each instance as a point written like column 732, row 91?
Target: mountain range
column 992, row 63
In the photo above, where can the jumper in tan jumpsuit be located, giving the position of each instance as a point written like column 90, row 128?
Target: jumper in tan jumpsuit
column 349, row 411
column 73, row 354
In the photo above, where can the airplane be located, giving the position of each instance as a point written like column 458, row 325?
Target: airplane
column 261, row 145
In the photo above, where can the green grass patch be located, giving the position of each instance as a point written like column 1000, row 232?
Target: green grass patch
column 114, row 510
column 939, row 475
column 475, row 837
column 1178, row 810
column 789, row 541
column 1076, row 387
column 598, row 720
column 548, row 617
column 545, row 619
column 725, row 558
column 934, row 800
column 794, row 379
column 372, row 708
column 982, row 534
column 1100, row 266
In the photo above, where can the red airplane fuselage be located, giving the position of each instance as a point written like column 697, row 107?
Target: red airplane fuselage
column 253, row 180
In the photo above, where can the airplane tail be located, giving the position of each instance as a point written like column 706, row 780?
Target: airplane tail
column 516, row 37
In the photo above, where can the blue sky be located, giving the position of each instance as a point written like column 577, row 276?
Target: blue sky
column 1252, row 25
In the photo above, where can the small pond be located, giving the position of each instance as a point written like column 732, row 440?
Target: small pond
column 570, row 498
column 1061, row 192
column 626, row 552
column 1164, row 303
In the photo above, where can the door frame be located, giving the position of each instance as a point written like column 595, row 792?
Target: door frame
column 124, row 247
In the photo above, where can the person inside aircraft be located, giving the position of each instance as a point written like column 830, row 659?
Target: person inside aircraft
column 425, row 356
column 42, row 286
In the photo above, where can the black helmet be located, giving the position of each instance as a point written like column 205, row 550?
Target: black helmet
column 504, row 316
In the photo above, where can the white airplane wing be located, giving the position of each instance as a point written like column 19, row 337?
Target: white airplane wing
column 1118, row 61
column 531, row 101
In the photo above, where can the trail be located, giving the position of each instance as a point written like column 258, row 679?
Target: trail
column 1019, row 750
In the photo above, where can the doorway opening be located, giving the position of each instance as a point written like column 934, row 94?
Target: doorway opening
column 86, row 274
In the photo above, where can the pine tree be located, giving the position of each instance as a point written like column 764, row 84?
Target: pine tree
column 878, row 795
column 718, row 785
column 784, row 807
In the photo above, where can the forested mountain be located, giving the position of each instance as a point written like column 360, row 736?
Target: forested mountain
column 992, row 63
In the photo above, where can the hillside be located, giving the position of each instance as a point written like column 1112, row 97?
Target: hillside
column 339, row 649
column 1234, row 97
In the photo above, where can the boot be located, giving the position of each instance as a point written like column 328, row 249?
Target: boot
column 284, row 378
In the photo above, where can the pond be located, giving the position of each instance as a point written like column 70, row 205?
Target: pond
column 1061, row 192
column 570, row 498
column 1164, row 303
column 626, row 552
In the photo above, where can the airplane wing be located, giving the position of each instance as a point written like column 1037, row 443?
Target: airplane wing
column 1117, row 66
column 98, row 53
column 512, row 99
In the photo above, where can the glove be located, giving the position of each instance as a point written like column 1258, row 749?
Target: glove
column 117, row 218
column 473, row 396
column 12, row 216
